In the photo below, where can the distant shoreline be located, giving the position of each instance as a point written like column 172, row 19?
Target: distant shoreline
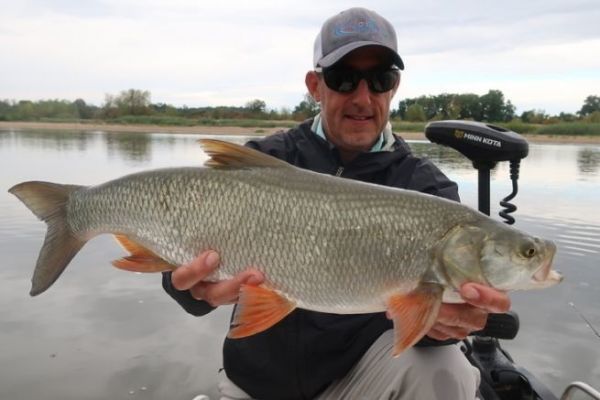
column 235, row 130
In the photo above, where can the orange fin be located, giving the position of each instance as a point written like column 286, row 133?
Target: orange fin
column 226, row 154
column 414, row 314
column 258, row 309
column 141, row 259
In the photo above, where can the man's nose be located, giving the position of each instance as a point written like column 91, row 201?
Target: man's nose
column 362, row 94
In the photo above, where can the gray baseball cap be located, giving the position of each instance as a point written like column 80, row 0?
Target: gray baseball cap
column 351, row 29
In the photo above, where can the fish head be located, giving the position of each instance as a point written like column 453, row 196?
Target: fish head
column 512, row 260
column 494, row 254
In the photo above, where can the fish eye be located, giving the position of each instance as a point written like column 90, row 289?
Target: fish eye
column 528, row 250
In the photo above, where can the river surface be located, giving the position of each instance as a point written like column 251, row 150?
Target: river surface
column 101, row 333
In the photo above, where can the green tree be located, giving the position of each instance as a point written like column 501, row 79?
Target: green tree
column 109, row 108
column 470, row 106
column 446, row 108
column 415, row 112
column 534, row 116
column 82, row 109
column 25, row 110
column 5, row 110
column 402, row 108
column 284, row 113
column 593, row 117
column 133, row 102
column 509, row 111
column 591, row 104
column 256, row 107
column 127, row 102
column 307, row 108
column 567, row 117
column 494, row 109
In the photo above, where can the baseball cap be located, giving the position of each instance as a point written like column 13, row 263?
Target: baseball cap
column 351, row 29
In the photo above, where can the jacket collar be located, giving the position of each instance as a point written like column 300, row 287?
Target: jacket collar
column 394, row 150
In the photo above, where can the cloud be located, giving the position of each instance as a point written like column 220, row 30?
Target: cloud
column 229, row 52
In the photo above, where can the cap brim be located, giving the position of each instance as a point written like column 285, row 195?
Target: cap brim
column 339, row 53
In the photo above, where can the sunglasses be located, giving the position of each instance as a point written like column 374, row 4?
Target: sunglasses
column 346, row 80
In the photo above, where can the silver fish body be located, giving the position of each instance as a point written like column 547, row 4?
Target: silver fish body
column 323, row 243
column 329, row 244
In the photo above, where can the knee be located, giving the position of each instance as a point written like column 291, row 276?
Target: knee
column 444, row 370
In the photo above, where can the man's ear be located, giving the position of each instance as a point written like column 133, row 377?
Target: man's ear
column 312, row 82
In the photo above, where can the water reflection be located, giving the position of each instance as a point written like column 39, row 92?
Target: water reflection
column 588, row 160
column 102, row 333
column 450, row 158
column 133, row 147
column 60, row 141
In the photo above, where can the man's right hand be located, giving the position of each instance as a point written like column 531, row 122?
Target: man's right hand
column 191, row 277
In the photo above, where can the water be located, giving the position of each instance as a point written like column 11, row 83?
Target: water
column 102, row 333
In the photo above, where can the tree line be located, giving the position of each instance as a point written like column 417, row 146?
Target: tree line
column 135, row 102
column 490, row 107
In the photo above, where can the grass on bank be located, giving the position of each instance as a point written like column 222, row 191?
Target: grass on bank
column 181, row 121
column 557, row 129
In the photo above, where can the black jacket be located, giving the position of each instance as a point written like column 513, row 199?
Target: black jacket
column 302, row 354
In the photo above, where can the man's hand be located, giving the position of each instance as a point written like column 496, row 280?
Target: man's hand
column 191, row 277
column 457, row 321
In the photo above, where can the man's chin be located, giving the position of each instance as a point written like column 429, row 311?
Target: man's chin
column 361, row 129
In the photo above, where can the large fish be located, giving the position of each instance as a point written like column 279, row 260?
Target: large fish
column 324, row 243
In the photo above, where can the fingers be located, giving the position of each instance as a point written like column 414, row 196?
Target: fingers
column 191, row 277
column 186, row 276
column 457, row 321
column 227, row 291
column 462, row 317
column 440, row 332
column 485, row 297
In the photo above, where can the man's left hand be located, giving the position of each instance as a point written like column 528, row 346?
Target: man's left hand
column 457, row 321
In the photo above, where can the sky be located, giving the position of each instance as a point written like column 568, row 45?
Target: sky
column 543, row 55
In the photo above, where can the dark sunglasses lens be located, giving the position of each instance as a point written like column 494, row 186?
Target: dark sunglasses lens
column 346, row 80
column 340, row 80
column 382, row 81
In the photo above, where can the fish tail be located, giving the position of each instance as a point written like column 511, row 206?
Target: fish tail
column 48, row 202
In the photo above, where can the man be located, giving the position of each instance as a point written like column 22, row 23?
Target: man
column 319, row 355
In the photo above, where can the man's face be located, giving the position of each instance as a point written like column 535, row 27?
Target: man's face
column 353, row 121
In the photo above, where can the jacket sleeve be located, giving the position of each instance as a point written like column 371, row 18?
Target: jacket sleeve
column 427, row 178
column 185, row 299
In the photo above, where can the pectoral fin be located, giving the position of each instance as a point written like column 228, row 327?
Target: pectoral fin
column 258, row 309
column 141, row 259
column 414, row 314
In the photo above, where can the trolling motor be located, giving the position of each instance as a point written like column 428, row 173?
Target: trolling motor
column 486, row 145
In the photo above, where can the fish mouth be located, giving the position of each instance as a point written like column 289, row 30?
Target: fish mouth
column 546, row 275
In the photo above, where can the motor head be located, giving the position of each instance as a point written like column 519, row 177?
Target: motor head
column 482, row 143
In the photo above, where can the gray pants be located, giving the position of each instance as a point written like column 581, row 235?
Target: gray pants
column 427, row 373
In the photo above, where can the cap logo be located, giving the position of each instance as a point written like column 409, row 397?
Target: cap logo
column 358, row 26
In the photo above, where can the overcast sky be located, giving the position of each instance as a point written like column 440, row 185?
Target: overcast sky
column 540, row 54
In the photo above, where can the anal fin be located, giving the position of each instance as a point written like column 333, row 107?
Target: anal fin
column 414, row 314
column 258, row 309
column 141, row 258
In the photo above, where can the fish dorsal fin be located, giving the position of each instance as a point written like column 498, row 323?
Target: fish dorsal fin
column 141, row 259
column 226, row 154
